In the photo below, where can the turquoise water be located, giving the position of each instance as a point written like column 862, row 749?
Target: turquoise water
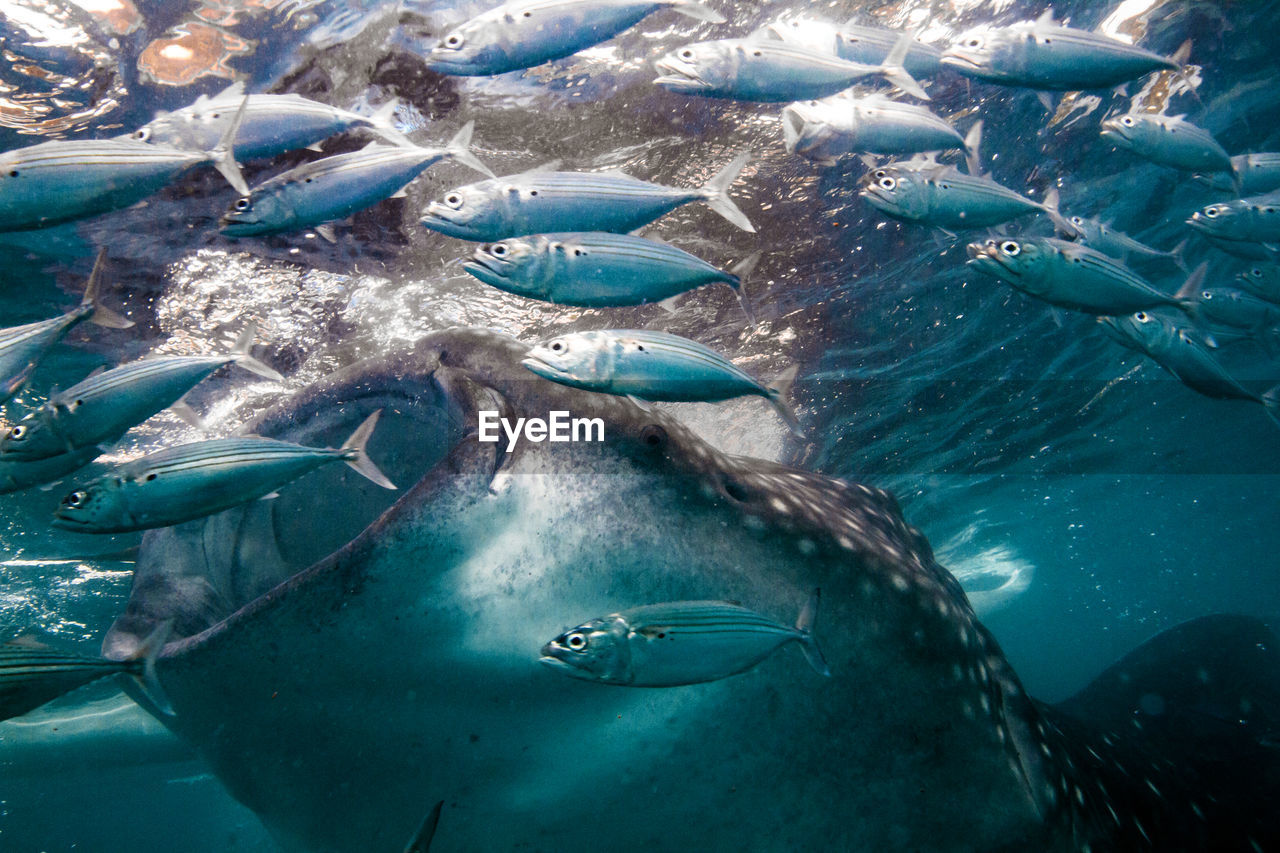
column 1086, row 499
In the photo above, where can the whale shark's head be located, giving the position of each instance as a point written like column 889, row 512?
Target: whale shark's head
column 348, row 654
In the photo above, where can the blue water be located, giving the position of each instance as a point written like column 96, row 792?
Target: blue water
column 1017, row 438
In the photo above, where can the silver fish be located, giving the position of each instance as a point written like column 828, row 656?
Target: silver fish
column 1257, row 174
column 772, row 71
column 946, row 198
column 196, row 480
column 1186, row 355
column 648, row 365
column 596, row 269
column 1245, row 220
column 682, row 642
column 1263, row 281
column 543, row 201
column 22, row 347
column 1168, row 140
column 272, row 124
column 106, row 405
column 1073, row 276
column 63, row 181
column 1043, row 55
column 823, row 130
column 1233, row 307
column 18, row 475
column 524, row 33
column 336, row 187
column 1105, row 239
column 32, row 675
column 853, row 42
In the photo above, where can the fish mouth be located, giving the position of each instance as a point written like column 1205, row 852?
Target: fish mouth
column 677, row 76
column 544, row 369
column 1114, row 132
column 957, row 59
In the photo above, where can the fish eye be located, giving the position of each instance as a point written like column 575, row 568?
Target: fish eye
column 558, row 346
column 17, row 432
column 1256, row 272
column 1206, row 295
column 1211, row 212
column 142, row 134
column 973, row 42
column 1127, row 121
column 1077, row 220
column 1010, row 248
column 453, row 200
column 1142, row 317
column 686, row 54
column 887, row 183
column 454, row 41
column 498, row 250
column 76, row 499
column 243, row 204
column 576, row 641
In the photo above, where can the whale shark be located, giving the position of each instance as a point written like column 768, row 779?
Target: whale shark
column 346, row 656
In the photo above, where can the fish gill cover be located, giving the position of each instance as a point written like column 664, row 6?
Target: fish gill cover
column 719, row 622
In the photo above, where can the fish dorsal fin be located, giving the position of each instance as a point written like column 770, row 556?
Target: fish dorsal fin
column 549, row 166
column 26, row 641
column 972, row 144
column 235, row 90
column 1046, row 18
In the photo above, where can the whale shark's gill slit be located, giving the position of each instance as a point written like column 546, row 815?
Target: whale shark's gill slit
column 734, row 489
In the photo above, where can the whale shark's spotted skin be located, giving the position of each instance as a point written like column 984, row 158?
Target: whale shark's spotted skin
column 402, row 668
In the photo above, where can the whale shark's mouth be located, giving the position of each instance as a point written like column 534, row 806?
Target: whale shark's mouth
column 200, row 573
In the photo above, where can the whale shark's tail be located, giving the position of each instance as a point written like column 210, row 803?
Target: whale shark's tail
column 1177, row 746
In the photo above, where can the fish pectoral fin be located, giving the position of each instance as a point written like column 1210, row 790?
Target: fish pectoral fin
column 270, row 497
column 326, row 231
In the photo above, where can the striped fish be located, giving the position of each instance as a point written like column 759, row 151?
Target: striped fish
column 1073, row 276
column 524, row 33
column 336, row 187
column 63, row 181
column 598, row 269
column 1255, row 219
column 682, row 642
column 106, row 405
column 647, row 365
column 947, row 198
column 1258, row 174
column 31, row 675
column 823, row 130
column 272, row 124
column 773, row 71
column 544, row 201
column 22, row 347
column 854, row 42
column 1170, row 141
column 1051, row 57
column 196, row 480
column 1262, row 281
column 1102, row 237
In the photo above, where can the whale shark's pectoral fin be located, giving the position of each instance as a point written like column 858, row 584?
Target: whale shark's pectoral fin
column 1189, row 721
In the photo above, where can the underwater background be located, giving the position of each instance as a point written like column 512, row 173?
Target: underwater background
column 1092, row 497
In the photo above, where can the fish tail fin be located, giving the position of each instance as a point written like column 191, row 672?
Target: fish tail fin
column 972, row 144
column 421, row 841
column 356, row 456
column 223, row 155
column 697, row 11
column 776, row 392
column 1182, row 54
column 717, row 192
column 1271, row 402
column 791, row 130
column 1178, row 254
column 805, row 625
column 101, row 314
column 740, row 271
column 1187, row 296
column 892, row 69
column 459, row 148
column 244, row 359
column 381, row 123
column 147, row 653
column 1050, row 207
